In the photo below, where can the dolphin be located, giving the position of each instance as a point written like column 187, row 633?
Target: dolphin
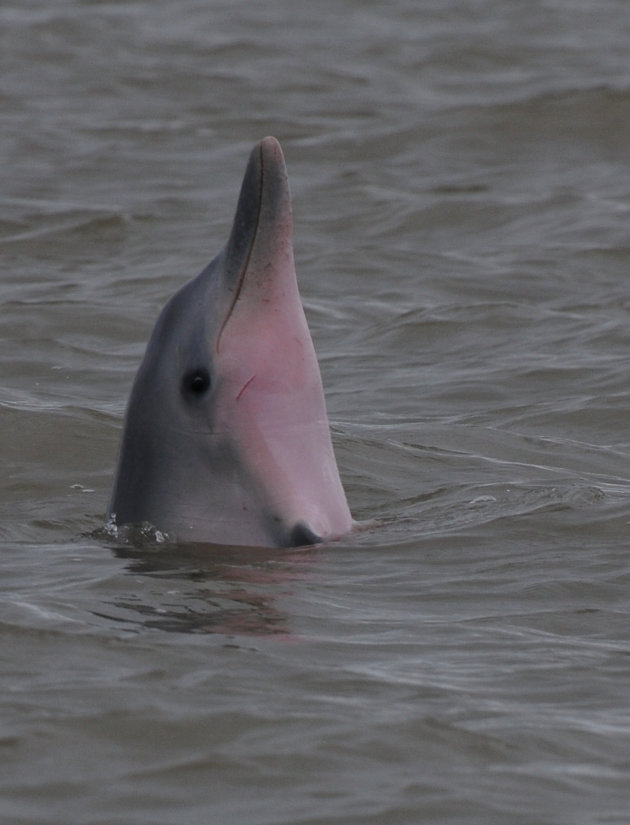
column 226, row 437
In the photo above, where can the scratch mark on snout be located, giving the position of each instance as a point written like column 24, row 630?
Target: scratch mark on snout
column 245, row 386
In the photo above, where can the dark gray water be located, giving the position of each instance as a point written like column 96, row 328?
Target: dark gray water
column 461, row 182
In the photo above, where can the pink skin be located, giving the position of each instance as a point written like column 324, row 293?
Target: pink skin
column 268, row 375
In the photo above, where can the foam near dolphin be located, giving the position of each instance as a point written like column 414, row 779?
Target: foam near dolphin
column 226, row 437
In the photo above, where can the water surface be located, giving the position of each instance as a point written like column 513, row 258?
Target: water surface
column 461, row 183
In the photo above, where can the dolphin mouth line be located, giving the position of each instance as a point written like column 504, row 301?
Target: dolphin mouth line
column 241, row 275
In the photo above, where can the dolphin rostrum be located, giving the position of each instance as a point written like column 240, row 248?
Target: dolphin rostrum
column 226, row 438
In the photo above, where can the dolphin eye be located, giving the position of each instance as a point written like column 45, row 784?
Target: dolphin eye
column 196, row 382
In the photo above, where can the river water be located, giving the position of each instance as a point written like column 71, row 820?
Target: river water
column 461, row 180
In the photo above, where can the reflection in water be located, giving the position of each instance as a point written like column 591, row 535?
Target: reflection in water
column 209, row 588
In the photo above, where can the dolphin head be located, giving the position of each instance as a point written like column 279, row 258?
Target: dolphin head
column 226, row 436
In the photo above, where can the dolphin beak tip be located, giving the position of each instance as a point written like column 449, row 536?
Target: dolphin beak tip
column 271, row 159
column 270, row 145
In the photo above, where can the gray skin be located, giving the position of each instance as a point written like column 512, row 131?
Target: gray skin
column 226, row 437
